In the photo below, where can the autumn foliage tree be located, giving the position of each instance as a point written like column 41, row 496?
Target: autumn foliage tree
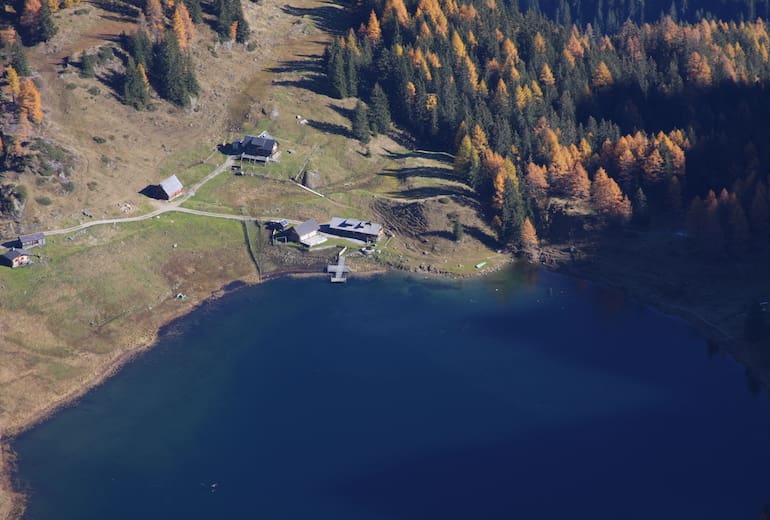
column 180, row 31
column 636, row 100
column 608, row 199
column 153, row 13
column 373, row 31
column 12, row 78
column 29, row 101
column 528, row 237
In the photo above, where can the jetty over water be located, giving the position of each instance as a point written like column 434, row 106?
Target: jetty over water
column 338, row 270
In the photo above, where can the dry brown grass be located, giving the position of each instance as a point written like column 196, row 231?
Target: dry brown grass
column 98, row 297
column 139, row 144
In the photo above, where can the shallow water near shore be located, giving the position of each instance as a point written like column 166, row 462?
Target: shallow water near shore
column 524, row 394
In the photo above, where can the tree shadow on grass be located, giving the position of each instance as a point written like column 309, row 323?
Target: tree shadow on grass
column 431, row 172
column 330, row 128
column 344, row 112
column 329, row 18
column 443, row 157
column 315, row 83
column 447, row 235
column 428, row 192
column 482, row 236
column 124, row 9
column 313, row 63
column 118, row 18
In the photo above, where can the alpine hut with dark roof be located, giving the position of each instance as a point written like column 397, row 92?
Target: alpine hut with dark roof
column 356, row 229
column 262, row 147
column 16, row 258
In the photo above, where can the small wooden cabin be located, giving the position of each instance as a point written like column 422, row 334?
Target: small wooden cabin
column 171, row 187
column 30, row 241
column 16, row 258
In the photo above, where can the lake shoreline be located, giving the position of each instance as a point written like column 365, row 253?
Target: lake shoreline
column 16, row 504
column 719, row 337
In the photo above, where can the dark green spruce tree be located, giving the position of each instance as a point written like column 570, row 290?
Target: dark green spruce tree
column 46, row 28
column 139, row 46
column 514, row 211
column 351, row 72
column 134, row 88
column 379, row 113
column 335, row 69
column 173, row 72
column 19, row 59
column 361, row 123
column 229, row 11
column 194, row 8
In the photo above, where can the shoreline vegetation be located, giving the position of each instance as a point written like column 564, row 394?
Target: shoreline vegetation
column 102, row 295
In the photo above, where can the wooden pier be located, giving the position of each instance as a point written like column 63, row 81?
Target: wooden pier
column 339, row 270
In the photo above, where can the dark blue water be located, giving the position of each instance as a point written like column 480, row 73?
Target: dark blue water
column 521, row 396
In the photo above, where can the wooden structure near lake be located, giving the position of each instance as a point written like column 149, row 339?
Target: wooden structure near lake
column 338, row 270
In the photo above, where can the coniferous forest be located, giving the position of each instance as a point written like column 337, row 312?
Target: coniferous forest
column 645, row 113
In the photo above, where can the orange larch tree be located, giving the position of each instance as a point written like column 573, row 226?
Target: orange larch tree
column 608, row 199
column 189, row 26
column 536, row 181
column 653, row 168
column 179, row 30
column 373, row 31
column 154, row 15
column 396, row 8
column 602, row 77
column 12, row 77
column 528, row 235
column 546, row 76
column 578, row 185
column 29, row 101
column 479, row 139
column 698, row 70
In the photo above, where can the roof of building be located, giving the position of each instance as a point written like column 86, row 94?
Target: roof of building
column 306, row 227
column 355, row 225
column 171, row 186
column 263, row 142
column 314, row 240
column 14, row 253
column 34, row 237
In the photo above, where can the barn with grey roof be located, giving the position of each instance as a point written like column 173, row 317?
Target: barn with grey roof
column 306, row 233
column 171, row 187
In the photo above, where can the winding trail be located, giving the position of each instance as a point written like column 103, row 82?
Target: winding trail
column 168, row 207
